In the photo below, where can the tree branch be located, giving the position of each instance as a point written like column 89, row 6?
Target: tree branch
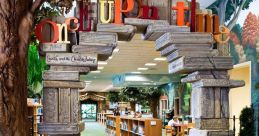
column 235, row 17
column 36, row 5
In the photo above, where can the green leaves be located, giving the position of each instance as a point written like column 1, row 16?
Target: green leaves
column 246, row 122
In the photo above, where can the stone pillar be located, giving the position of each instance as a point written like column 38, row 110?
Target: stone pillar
column 192, row 54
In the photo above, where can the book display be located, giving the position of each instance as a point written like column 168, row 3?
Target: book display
column 35, row 111
column 127, row 126
column 101, row 117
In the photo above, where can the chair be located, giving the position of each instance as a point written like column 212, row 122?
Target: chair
column 169, row 130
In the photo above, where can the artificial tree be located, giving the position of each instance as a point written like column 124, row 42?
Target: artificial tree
column 16, row 26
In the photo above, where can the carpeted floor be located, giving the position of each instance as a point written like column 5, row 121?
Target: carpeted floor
column 96, row 129
column 93, row 129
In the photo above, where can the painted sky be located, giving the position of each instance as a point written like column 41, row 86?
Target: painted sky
column 252, row 8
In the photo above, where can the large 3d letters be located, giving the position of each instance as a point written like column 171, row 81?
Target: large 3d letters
column 102, row 15
column 38, row 31
column 180, row 7
column 83, row 17
column 119, row 10
column 60, row 28
column 154, row 12
column 140, row 9
column 68, row 22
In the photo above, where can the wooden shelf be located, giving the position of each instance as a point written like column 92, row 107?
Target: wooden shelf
column 126, row 126
column 101, row 117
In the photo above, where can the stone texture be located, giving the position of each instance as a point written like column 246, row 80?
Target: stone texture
column 183, row 38
column 188, row 47
column 124, row 32
column 212, row 124
column 155, row 31
column 191, row 64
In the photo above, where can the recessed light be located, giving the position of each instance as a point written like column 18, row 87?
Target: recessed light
column 150, row 64
column 102, row 63
column 116, row 50
column 96, row 71
column 100, row 68
column 142, row 69
column 136, row 72
column 160, row 59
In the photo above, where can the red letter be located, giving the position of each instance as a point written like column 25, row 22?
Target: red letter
column 39, row 28
column 193, row 14
column 154, row 12
column 180, row 13
column 118, row 10
column 83, row 17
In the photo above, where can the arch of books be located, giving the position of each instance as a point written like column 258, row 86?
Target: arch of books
column 184, row 35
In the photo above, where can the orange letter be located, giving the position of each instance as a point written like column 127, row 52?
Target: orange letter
column 118, row 10
column 140, row 9
column 39, row 28
column 68, row 20
column 180, row 13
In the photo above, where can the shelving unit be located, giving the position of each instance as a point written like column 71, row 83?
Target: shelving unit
column 126, row 126
column 101, row 117
column 35, row 111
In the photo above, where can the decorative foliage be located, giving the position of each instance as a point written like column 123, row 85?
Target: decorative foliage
column 114, row 96
column 250, row 30
column 246, row 122
column 36, row 64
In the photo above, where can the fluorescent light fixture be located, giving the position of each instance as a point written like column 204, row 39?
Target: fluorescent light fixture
column 136, row 72
column 88, row 81
column 96, row 71
column 100, row 68
column 102, row 63
column 146, row 83
column 160, row 59
column 110, row 57
column 150, row 64
column 116, row 50
column 142, row 69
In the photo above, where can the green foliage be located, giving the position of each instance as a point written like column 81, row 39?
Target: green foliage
column 257, row 85
column 233, row 52
column 36, row 64
column 114, row 96
column 230, row 10
column 246, row 122
column 237, row 29
column 34, row 73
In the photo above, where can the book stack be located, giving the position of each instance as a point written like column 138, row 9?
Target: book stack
column 192, row 53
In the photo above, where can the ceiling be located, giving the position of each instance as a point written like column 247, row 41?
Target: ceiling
column 128, row 58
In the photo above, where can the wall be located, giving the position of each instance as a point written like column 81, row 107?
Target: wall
column 239, row 98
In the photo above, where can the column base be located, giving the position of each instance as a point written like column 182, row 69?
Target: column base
column 198, row 132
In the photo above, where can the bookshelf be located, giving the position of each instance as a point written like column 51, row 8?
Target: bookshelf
column 101, row 117
column 35, row 111
column 127, row 126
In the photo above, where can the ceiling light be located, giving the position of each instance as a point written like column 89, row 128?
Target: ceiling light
column 150, row 64
column 146, row 83
column 136, row 72
column 160, row 59
column 116, row 50
column 96, row 71
column 110, row 57
column 88, row 81
column 142, row 69
column 100, row 68
column 102, row 63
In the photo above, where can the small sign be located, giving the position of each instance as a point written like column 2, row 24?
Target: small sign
column 153, row 123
